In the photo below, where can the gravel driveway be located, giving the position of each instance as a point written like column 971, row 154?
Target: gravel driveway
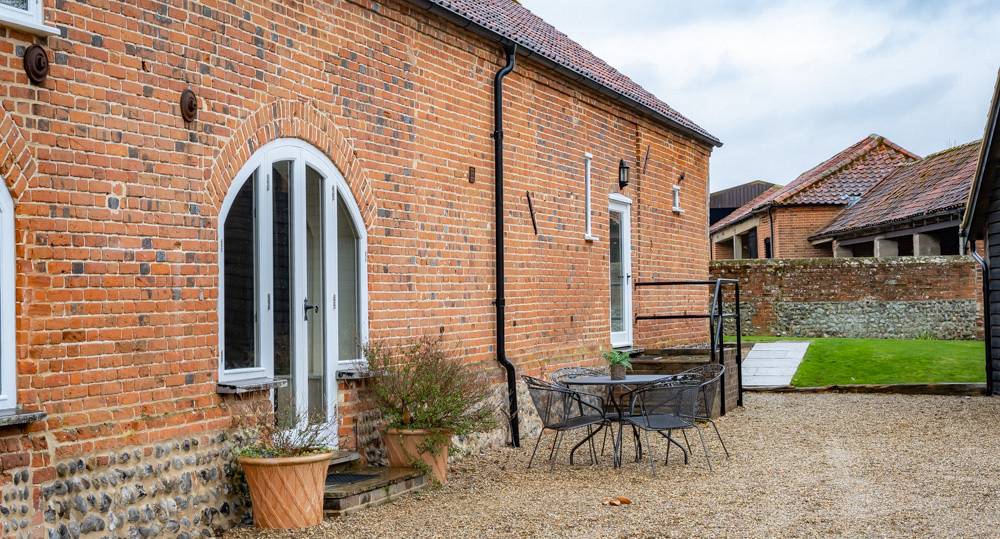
column 802, row 466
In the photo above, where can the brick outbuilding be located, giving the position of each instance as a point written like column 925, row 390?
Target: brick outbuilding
column 333, row 183
column 780, row 222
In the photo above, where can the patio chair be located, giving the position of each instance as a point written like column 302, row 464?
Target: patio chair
column 561, row 375
column 663, row 408
column 561, row 410
column 710, row 385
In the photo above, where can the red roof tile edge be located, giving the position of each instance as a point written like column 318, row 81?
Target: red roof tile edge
column 598, row 73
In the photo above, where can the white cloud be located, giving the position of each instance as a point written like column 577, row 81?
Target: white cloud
column 785, row 85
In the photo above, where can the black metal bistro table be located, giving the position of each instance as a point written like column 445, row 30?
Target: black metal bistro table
column 632, row 381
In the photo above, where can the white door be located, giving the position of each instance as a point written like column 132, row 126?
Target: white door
column 301, row 264
column 620, row 244
column 294, row 281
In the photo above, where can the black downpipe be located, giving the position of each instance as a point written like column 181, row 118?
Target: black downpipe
column 510, row 51
column 987, row 322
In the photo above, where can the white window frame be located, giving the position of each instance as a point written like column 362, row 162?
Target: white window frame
column 262, row 160
column 30, row 20
column 677, row 199
column 8, row 359
column 588, row 235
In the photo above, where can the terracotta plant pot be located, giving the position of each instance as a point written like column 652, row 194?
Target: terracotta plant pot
column 617, row 372
column 287, row 492
column 408, row 447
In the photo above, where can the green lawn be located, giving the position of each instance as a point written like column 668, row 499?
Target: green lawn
column 883, row 361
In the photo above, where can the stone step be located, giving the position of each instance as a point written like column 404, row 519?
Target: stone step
column 345, row 460
column 368, row 487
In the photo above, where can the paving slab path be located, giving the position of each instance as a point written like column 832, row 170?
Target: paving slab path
column 773, row 363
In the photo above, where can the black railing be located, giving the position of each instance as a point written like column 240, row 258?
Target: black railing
column 716, row 317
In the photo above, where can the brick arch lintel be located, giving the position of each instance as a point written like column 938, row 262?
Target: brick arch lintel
column 291, row 119
column 17, row 164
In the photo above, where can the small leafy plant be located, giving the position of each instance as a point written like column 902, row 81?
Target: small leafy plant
column 423, row 386
column 617, row 357
column 266, row 434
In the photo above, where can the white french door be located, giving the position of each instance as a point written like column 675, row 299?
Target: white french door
column 293, row 286
column 303, row 262
column 620, row 245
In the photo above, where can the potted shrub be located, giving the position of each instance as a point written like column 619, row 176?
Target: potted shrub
column 618, row 362
column 285, row 462
column 426, row 396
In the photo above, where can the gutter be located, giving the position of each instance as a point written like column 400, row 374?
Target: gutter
column 577, row 76
column 987, row 326
column 510, row 51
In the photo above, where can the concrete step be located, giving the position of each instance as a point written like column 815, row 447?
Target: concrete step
column 349, row 491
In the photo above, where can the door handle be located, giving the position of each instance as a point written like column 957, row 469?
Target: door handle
column 309, row 307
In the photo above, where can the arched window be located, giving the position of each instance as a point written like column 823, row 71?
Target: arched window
column 8, row 363
column 293, row 281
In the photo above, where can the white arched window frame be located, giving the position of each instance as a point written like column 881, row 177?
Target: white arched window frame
column 335, row 189
column 8, row 361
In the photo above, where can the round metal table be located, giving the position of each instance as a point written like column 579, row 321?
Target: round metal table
column 605, row 380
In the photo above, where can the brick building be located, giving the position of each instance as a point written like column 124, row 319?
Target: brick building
column 330, row 180
column 780, row 222
column 913, row 211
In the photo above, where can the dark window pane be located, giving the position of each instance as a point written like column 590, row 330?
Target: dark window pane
column 617, row 272
column 314, row 282
column 281, row 178
column 239, row 272
column 19, row 4
column 348, row 292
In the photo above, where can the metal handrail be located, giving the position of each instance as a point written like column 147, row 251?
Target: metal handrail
column 716, row 325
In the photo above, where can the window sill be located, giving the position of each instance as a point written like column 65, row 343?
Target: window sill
column 17, row 416
column 355, row 373
column 249, row 386
column 31, row 27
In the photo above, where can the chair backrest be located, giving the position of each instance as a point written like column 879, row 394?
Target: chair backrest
column 711, row 376
column 679, row 398
column 556, row 404
column 560, row 376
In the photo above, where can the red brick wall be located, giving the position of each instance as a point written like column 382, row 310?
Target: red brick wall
column 902, row 297
column 723, row 250
column 116, row 199
column 793, row 225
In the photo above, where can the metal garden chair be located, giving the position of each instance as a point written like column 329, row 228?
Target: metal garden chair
column 561, row 410
column 561, row 375
column 663, row 408
column 708, row 390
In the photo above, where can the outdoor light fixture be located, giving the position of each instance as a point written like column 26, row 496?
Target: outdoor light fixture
column 622, row 174
column 36, row 64
column 189, row 105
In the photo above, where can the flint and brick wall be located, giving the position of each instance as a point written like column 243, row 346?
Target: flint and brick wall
column 116, row 203
column 905, row 297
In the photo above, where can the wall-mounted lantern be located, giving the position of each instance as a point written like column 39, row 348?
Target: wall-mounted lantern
column 622, row 174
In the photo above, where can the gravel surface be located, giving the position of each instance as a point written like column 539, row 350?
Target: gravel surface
column 802, row 466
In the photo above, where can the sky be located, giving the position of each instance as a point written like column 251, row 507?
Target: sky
column 786, row 84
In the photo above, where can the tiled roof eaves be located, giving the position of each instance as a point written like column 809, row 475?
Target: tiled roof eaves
column 885, row 226
column 573, row 73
